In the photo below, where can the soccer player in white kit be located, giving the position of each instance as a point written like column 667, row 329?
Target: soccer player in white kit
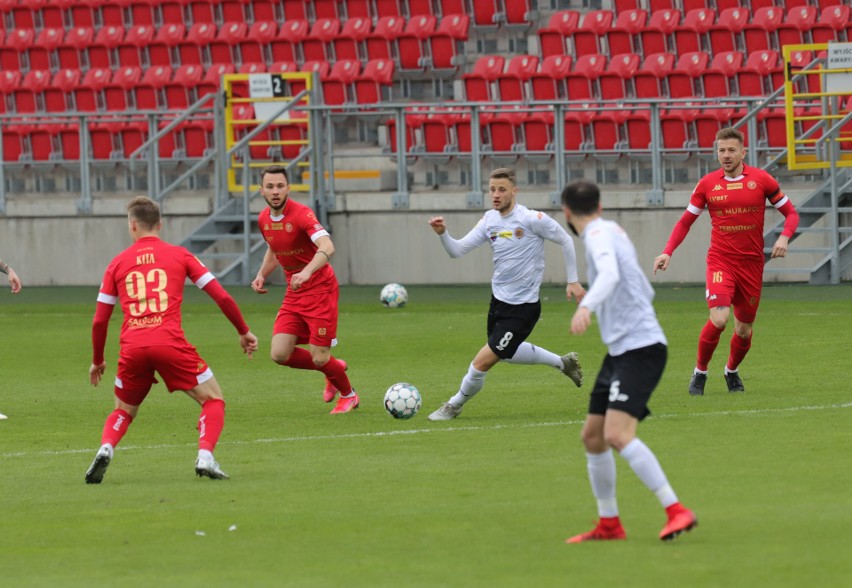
column 621, row 296
column 517, row 236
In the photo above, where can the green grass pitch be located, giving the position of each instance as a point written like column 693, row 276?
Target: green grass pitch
column 364, row 500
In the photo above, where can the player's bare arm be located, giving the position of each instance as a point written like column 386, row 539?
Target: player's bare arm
column 780, row 247
column 266, row 268
column 325, row 249
column 14, row 280
column 662, row 262
column 438, row 225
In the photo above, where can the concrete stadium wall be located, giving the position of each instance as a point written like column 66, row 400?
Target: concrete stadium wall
column 48, row 243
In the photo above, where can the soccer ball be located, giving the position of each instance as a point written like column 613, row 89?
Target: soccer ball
column 394, row 296
column 402, row 400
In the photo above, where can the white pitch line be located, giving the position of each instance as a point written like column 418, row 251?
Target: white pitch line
column 754, row 411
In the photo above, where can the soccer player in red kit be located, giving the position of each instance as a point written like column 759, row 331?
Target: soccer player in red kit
column 735, row 197
column 147, row 279
column 299, row 243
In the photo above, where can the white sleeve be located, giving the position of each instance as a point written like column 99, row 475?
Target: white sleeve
column 544, row 226
column 458, row 247
column 602, row 251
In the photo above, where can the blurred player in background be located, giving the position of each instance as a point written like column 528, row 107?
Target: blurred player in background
column 15, row 283
column 147, row 280
column 299, row 243
column 735, row 197
column 621, row 296
column 517, row 236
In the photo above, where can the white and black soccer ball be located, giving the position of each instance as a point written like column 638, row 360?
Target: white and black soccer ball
column 394, row 295
column 402, row 400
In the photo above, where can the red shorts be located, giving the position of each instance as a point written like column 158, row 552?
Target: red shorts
column 735, row 282
column 311, row 316
column 180, row 367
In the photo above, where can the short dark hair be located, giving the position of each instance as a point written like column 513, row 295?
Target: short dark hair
column 730, row 133
column 504, row 173
column 144, row 211
column 274, row 169
column 581, row 197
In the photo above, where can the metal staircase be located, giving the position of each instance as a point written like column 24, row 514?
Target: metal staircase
column 815, row 217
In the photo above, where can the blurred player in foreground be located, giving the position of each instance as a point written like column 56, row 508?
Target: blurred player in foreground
column 621, row 296
column 15, row 283
column 147, row 280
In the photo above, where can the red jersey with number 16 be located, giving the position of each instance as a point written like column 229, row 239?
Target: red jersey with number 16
column 147, row 279
column 737, row 209
column 291, row 238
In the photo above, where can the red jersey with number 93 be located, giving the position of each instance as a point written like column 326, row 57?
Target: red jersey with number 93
column 147, row 279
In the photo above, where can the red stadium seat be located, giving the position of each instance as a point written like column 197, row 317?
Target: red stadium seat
column 586, row 39
column 759, row 35
column 549, row 82
column 798, row 60
column 725, row 35
column 689, row 37
column 81, row 15
column 321, row 68
column 381, row 42
column 795, row 29
column 265, row 10
column 102, row 53
column 650, row 80
column 447, row 43
column 512, row 84
column 116, row 92
column 250, row 68
column 620, row 6
column 18, row 41
column 131, row 51
column 179, row 91
column 581, row 83
column 192, row 50
column 619, row 39
column 519, row 14
column 88, row 96
column 294, row 10
column 675, row 131
column 336, row 88
column 223, row 49
column 233, row 11
column 832, row 21
column 201, row 11
column 752, row 77
column 412, row 44
column 477, row 84
column 607, row 134
column 27, row 97
column 656, row 37
column 283, row 67
column 161, row 51
column 148, row 93
column 141, row 13
column 57, row 96
column 40, row 54
column 538, row 136
column 350, row 43
column 253, row 47
column 419, row 8
column 615, row 81
column 486, row 14
column 171, row 12
column 577, row 133
column 504, row 133
column 707, row 123
column 358, row 9
column 324, row 9
column 683, row 80
column 378, row 74
column 285, row 45
column 317, row 45
column 212, row 80
column 716, row 81
column 70, row 54
column 552, row 38
column 387, row 8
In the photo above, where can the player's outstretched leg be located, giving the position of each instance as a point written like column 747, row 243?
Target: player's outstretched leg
column 346, row 403
column 607, row 529
column 571, row 368
column 681, row 520
column 446, row 412
column 207, row 466
column 96, row 471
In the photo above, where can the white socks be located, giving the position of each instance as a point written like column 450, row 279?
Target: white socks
column 205, row 454
column 470, row 385
column 644, row 463
column 601, row 468
column 529, row 354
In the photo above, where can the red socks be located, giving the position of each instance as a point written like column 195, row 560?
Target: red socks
column 115, row 427
column 336, row 374
column 210, row 424
column 739, row 348
column 707, row 342
column 301, row 359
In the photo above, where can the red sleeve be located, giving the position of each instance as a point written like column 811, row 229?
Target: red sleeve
column 791, row 218
column 99, row 331
column 215, row 290
column 679, row 232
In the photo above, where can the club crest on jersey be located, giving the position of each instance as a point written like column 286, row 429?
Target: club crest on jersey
column 288, row 227
column 519, row 232
column 752, row 185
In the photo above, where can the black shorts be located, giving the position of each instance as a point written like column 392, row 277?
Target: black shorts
column 509, row 325
column 627, row 381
